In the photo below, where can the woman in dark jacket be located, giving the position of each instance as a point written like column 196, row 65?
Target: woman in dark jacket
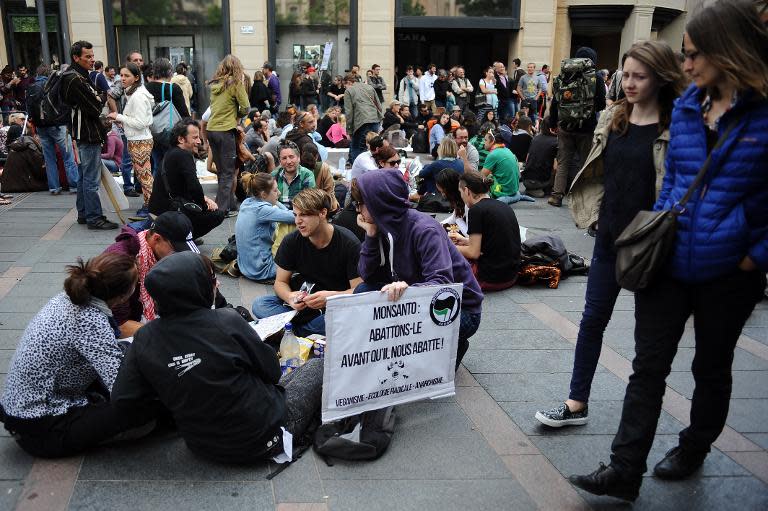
column 716, row 272
column 259, row 95
column 220, row 382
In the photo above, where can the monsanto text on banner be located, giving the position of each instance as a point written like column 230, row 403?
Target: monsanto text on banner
column 381, row 353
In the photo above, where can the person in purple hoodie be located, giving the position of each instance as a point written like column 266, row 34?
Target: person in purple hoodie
column 404, row 247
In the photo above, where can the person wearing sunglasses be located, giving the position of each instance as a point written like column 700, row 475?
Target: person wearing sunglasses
column 387, row 158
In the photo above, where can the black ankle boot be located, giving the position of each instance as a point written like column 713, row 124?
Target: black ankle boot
column 678, row 464
column 607, row 480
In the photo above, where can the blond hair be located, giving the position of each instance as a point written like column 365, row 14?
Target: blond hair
column 312, row 201
column 447, row 148
column 229, row 72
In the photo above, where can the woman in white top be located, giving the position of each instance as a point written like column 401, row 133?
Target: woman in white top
column 488, row 87
column 136, row 120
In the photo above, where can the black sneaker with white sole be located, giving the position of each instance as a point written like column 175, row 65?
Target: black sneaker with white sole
column 563, row 416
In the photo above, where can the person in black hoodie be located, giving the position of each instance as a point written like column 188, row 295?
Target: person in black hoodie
column 219, row 381
column 77, row 91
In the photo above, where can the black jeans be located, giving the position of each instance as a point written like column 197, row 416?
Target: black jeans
column 602, row 291
column 720, row 309
column 78, row 429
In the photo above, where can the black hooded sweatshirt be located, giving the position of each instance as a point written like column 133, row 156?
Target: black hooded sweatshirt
column 208, row 367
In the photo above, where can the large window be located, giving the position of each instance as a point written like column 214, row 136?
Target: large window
column 23, row 29
column 452, row 8
column 306, row 30
column 187, row 31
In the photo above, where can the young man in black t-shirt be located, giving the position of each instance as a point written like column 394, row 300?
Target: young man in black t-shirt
column 317, row 252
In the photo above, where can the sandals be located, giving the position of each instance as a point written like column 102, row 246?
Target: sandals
column 6, row 196
column 4, row 202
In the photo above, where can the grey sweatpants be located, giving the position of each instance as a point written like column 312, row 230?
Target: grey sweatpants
column 303, row 394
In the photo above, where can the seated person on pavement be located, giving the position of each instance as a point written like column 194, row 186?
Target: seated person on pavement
column 404, row 247
column 317, row 252
column 177, row 188
column 56, row 397
column 209, row 368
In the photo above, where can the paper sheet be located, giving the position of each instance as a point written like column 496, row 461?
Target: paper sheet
column 271, row 325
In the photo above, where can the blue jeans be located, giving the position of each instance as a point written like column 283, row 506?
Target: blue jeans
column 50, row 137
column 265, row 306
column 518, row 197
column 111, row 165
column 506, row 109
column 89, row 174
column 470, row 321
column 602, row 291
column 126, row 168
column 358, row 139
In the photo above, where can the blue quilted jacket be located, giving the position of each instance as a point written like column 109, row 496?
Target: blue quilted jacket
column 727, row 218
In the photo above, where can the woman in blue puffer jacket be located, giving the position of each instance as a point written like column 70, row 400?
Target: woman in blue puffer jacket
column 717, row 269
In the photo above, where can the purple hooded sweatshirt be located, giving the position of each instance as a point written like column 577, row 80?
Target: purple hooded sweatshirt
column 411, row 246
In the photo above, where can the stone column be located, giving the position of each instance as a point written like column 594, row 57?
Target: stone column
column 376, row 41
column 249, row 45
column 636, row 28
column 4, row 57
column 538, row 29
column 562, row 39
column 672, row 34
column 86, row 23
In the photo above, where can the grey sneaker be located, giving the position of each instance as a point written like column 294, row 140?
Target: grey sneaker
column 563, row 416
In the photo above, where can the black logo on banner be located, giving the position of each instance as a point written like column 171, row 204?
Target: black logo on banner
column 445, row 308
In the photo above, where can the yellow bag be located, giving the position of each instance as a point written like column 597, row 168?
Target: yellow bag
column 280, row 233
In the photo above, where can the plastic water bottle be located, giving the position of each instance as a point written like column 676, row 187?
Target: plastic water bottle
column 289, row 350
column 343, row 167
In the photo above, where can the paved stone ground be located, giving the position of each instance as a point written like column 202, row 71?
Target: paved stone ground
column 479, row 450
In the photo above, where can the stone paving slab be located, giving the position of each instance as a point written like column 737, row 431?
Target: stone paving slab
column 420, row 495
column 604, row 417
column 155, row 495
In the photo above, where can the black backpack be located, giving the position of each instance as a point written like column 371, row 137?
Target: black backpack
column 419, row 142
column 46, row 104
column 360, row 437
column 431, row 202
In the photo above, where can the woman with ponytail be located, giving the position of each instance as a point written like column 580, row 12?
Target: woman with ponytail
column 67, row 355
column 255, row 226
column 493, row 242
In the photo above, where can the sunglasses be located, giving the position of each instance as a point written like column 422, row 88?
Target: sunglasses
column 357, row 205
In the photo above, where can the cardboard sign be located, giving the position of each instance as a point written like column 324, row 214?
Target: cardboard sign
column 326, row 56
column 381, row 353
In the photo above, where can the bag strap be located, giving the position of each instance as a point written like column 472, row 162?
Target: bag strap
column 375, row 100
column 700, row 176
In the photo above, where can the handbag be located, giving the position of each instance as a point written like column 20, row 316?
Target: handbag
column 179, row 203
column 644, row 245
column 480, row 97
column 163, row 115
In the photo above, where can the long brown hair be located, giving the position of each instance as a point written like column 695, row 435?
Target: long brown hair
column 229, row 72
column 734, row 40
column 660, row 60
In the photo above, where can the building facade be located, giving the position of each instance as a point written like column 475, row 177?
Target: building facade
column 334, row 34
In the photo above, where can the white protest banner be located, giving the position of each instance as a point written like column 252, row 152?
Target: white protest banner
column 326, row 56
column 381, row 353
